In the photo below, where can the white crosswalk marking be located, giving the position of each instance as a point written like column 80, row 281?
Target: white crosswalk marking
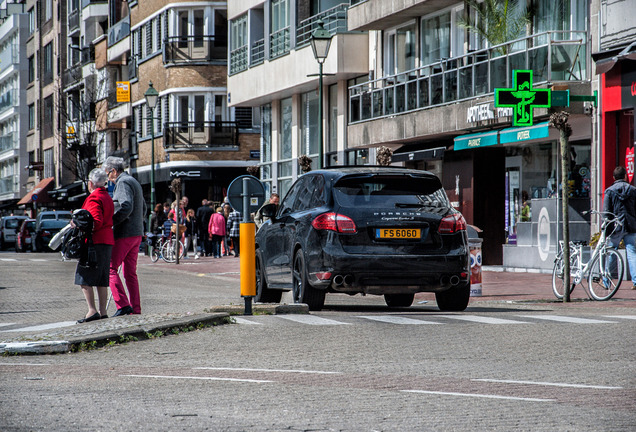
column 631, row 317
column 43, row 327
column 240, row 320
column 482, row 319
column 310, row 319
column 8, row 259
column 38, row 259
column 392, row 319
column 6, row 324
column 567, row 319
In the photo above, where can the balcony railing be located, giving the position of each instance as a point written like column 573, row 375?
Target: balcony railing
column 334, row 20
column 183, row 49
column 119, row 31
column 9, row 142
column 279, row 43
column 9, row 56
column 132, row 67
column 86, row 3
column 258, row 52
column 72, row 75
column 238, row 60
column 552, row 56
column 198, row 136
column 73, row 21
column 7, row 185
column 88, row 54
column 8, row 99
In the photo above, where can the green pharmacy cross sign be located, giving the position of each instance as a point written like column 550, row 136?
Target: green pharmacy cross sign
column 522, row 98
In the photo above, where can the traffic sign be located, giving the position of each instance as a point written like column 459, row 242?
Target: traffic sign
column 255, row 194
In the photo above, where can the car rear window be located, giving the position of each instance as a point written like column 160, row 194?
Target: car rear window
column 13, row 223
column 395, row 190
column 52, row 223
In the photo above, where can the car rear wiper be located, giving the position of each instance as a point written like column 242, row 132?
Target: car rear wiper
column 410, row 205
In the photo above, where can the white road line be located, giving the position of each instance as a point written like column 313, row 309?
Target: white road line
column 7, row 324
column 269, row 370
column 478, row 395
column 240, row 320
column 568, row 319
column 550, row 384
column 25, row 364
column 392, row 319
column 632, row 317
column 482, row 319
column 43, row 327
column 199, row 378
column 311, row 320
column 8, row 259
column 38, row 259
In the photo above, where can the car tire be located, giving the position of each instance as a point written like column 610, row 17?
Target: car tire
column 399, row 300
column 302, row 291
column 454, row 299
column 263, row 293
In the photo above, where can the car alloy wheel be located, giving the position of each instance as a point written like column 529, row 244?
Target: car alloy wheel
column 302, row 291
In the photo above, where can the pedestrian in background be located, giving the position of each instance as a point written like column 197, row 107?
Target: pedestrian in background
column 216, row 230
column 234, row 230
column 190, row 232
column 225, row 245
column 203, row 218
column 157, row 219
column 620, row 199
column 259, row 219
column 128, row 228
column 100, row 205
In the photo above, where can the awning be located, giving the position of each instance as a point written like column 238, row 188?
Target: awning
column 513, row 135
column 39, row 193
column 606, row 60
column 436, row 153
column 473, row 141
column 64, row 192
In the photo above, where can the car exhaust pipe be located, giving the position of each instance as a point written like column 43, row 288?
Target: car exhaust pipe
column 444, row 280
column 348, row 280
column 338, row 280
column 454, row 280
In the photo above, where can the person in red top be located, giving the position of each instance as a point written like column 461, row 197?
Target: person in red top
column 100, row 205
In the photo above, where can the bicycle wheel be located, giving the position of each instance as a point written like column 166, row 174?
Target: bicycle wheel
column 558, row 285
column 154, row 254
column 606, row 274
column 169, row 251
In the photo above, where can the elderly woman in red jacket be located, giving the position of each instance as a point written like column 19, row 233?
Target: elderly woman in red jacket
column 100, row 206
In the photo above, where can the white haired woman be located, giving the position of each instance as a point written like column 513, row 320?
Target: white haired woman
column 100, row 205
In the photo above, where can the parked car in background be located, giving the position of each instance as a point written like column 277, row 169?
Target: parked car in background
column 373, row 230
column 45, row 232
column 52, row 214
column 8, row 228
column 24, row 236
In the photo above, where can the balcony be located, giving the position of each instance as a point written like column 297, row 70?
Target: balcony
column 8, row 143
column 9, row 99
column 73, row 22
column 8, row 185
column 201, row 136
column 279, row 43
column 334, row 20
column 187, row 49
column 257, row 52
column 9, row 56
column 119, row 31
column 88, row 55
column 238, row 60
column 552, row 56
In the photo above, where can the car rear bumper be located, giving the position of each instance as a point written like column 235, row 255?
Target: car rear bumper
column 386, row 274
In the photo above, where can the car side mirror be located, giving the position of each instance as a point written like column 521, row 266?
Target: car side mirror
column 269, row 210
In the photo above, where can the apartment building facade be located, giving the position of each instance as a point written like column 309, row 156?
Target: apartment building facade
column 14, row 114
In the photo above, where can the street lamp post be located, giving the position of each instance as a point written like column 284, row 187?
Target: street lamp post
column 152, row 95
column 320, row 43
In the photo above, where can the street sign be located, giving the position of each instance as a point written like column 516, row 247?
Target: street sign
column 523, row 98
column 255, row 194
column 560, row 98
column 34, row 197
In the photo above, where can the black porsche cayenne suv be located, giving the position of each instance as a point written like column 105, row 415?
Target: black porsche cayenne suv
column 375, row 230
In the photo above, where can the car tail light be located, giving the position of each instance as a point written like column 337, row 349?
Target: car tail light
column 452, row 224
column 46, row 233
column 334, row 222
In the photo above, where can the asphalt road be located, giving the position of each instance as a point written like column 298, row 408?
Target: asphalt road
column 357, row 366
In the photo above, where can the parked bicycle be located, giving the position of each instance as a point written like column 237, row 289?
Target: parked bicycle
column 604, row 269
column 164, row 247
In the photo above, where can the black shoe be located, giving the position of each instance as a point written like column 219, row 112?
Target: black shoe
column 104, row 316
column 126, row 310
column 93, row 317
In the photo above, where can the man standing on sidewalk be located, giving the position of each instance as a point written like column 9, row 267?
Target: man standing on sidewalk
column 233, row 230
column 620, row 199
column 128, row 228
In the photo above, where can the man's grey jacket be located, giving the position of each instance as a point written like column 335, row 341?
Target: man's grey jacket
column 130, row 207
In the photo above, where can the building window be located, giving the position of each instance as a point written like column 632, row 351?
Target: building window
column 31, row 116
column 285, row 148
column 332, row 112
column 31, row 160
column 48, row 63
column 48, row 10
column 279, row 37
column 32, row 20
column 238, row 44
column 49, row 166
column 31, row 69
column 309, row 142
column 399, row 49
column 47, row 118
column 436, row 38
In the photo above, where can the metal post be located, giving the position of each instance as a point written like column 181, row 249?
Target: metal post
column 321, row 158
column 152, row 174
column 247, row 257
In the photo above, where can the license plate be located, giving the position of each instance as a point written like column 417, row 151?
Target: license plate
column 398, row 233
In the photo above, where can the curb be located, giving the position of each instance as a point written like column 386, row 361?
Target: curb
column 263, row 309
column 103, row 338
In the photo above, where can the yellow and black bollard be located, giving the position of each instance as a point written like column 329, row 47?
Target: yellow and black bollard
column 248, row 264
